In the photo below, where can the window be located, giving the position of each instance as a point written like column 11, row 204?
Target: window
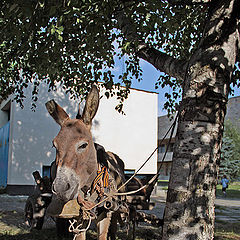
column 46, row 171
column 161, row 148
column 170, row 148
column 129, row 171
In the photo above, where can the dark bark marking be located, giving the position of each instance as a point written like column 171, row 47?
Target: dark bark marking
column 192, row 236
column 173, row 230
column 229, row 23
column 197, row 109
column 177, row 196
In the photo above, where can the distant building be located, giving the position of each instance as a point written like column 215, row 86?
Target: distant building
column 233, row 114
column 233, row 111
column 26, row 136
column 164, row 124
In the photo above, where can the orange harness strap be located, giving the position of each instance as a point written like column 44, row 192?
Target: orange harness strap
column 102, row 178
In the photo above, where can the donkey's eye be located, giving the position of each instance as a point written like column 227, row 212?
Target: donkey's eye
column 80, row 147
column 84, row 145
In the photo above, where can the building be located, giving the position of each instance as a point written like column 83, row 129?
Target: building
column 164, row 123
column 165, row 163
column 233, row 111
column 28, row 134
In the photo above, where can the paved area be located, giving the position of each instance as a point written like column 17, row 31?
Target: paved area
column 226, row 209
column 227, row 202
column 12, row 203
column 161, row 196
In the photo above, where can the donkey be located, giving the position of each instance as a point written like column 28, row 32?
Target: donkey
column 77, row 164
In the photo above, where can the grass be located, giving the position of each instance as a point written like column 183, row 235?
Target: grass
column 227, row 230
column 12, row 227
column 45, row 234
column 233, row 190
column 226, row 236
column 224, row 231
column 50, row 234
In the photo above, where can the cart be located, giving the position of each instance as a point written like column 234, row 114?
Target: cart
column 37, row 204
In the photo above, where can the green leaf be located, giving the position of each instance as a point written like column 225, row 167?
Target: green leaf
column 60, row 38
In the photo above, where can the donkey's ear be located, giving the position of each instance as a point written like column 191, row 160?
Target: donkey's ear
column 57, row 112
column 91, row 106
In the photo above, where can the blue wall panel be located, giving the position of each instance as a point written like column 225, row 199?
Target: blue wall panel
column 4, row 144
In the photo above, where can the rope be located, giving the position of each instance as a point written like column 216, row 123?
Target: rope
column 171, row 127
column 108, row 196
column 156, row 175
column 77, row 229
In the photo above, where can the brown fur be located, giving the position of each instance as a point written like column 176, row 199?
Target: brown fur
column 76, row 158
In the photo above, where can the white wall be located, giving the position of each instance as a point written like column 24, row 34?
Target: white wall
column 132, row 136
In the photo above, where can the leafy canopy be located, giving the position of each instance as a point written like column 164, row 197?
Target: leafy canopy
column 77, row 43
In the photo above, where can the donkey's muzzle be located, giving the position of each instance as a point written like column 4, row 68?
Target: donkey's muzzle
column 63, row 190
column 65, row 185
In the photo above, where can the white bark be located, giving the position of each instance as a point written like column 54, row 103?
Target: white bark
column 189, row 212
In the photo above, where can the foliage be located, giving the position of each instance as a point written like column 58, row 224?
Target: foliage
column 77, row 43
column 230, row 164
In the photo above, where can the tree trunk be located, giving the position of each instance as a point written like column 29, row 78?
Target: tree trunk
column 189, row 212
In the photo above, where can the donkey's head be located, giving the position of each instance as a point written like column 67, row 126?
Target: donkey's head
column 76, row 158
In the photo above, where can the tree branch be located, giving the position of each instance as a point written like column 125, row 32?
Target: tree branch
column 160, row 60
column 164, row 62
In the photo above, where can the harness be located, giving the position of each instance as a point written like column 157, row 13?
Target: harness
column 101, row 182
column 102, row 178
column 94, row 190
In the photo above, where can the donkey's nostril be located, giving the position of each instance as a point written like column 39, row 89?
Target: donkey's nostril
column 60, row 186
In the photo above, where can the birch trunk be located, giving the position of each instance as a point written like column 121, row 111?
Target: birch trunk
column 189, row 212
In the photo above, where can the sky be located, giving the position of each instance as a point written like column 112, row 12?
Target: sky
column 150, row 77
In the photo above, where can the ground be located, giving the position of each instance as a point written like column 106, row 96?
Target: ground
column 12, row 226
